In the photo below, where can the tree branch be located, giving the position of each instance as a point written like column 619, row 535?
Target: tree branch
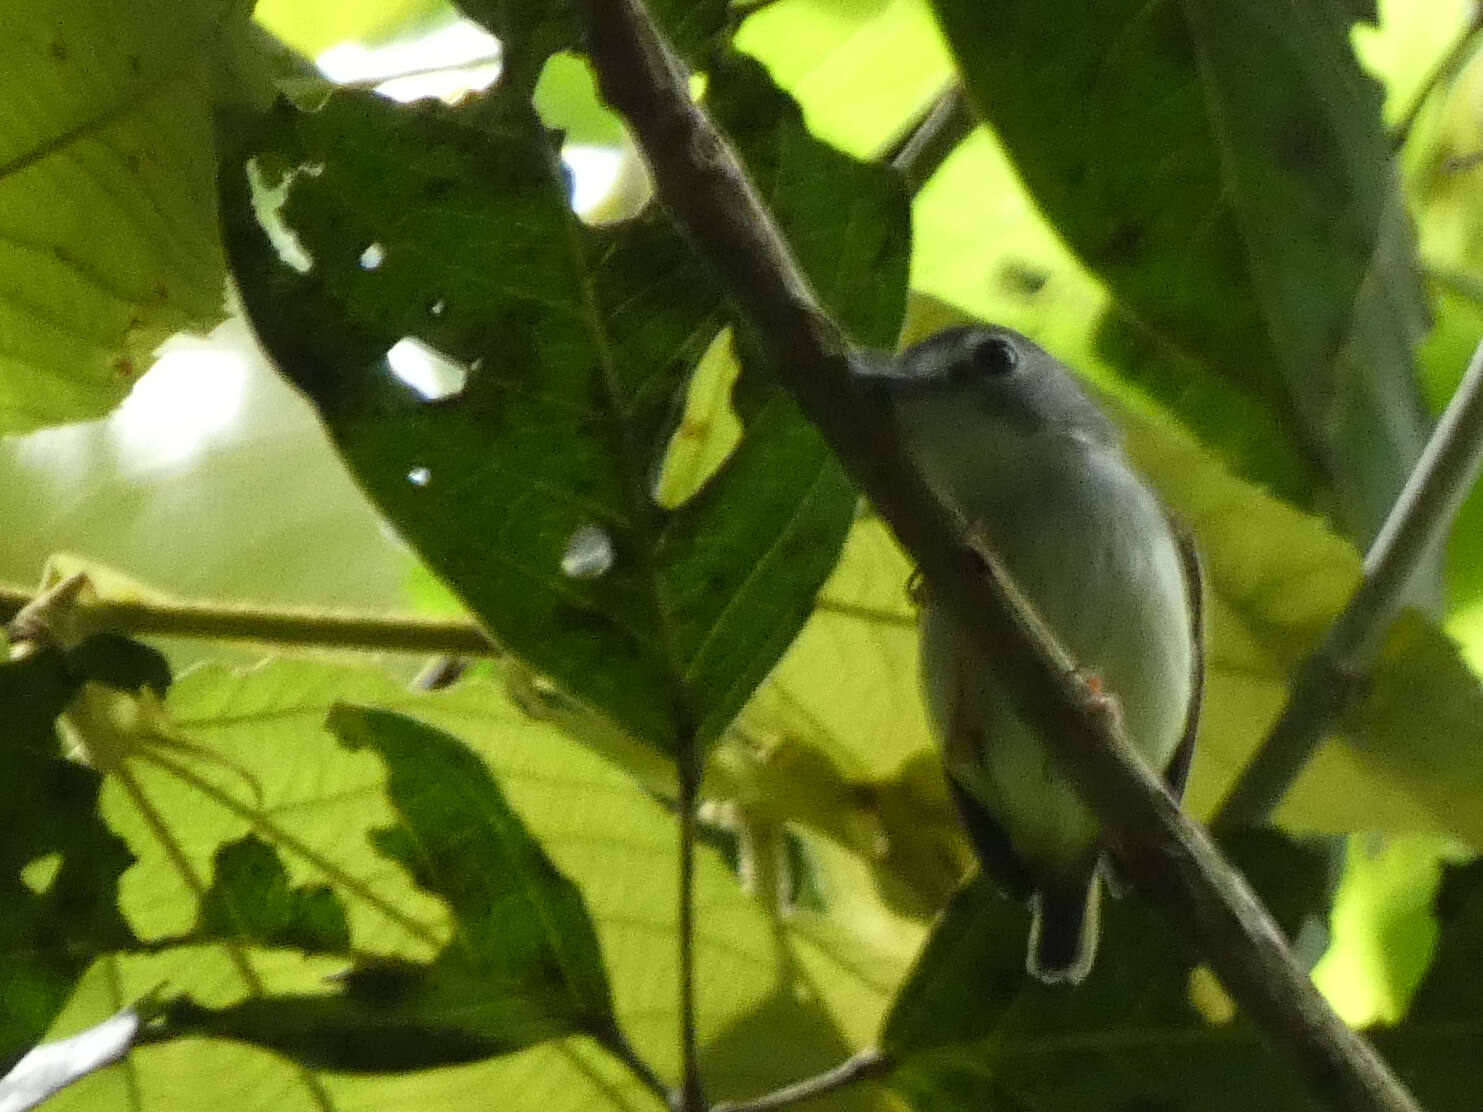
column 928, row 143
column 699, row 180
column 320, row 628
column 1329, row 681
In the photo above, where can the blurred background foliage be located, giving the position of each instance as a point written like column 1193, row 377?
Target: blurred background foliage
column 213, row 479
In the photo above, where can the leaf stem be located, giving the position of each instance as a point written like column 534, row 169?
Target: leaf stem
column 701, row 183
column 869, row 1063
column 1333, row 675
column 169, row 617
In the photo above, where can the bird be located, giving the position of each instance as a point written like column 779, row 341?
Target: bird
column 1004, row 435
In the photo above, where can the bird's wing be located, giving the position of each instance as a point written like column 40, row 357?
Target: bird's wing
column 1194, row 584
column 996, row 856
column 962, row 751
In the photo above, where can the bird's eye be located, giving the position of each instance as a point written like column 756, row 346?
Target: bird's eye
column 993, row 356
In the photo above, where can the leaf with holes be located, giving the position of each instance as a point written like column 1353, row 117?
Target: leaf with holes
column 251, row 899
column 180, row 807
column 108, row 239
column 524, row 469
column 59, row 865
column 523, row 966
column 1443, row 1027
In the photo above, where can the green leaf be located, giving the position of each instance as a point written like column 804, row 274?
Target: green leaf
column 108, row 239
column 121, row 663
column 60, row 867
column 861, row 71
column 567, row 99
column 1384, row 931
column 1278, row 579
column 1444, row 1026
column 971, row 1030
column 524, row 965
column 518, row 918
column 1222, row 166
column 313, row 25
column 251, row 899
column 250, row 754
column 1017, row 271
column 529, row 491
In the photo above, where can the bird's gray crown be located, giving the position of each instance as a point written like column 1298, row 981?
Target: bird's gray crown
column 1008, row 375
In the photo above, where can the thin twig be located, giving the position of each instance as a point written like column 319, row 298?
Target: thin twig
column 691, row 1097
column 1328, row 681
column 699, row 180
column 226, row 622
column 375, row 81
column 875, row 615
column 868, row 1063
column 927, row 145
column 1447, row 67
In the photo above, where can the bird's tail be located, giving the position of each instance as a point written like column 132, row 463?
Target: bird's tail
column 1063, row 936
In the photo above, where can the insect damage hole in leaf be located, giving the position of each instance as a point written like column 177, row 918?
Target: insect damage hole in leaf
column 708, row 430
column 40, row 873
column 589, row 335
column 589, row 554
column 269, row 201
column 431, row 374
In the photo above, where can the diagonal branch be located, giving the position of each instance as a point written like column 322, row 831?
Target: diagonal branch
column 699, row 180
column 1330, row 680
column 922, row 151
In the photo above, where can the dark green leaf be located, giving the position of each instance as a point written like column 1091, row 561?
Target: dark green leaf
column 523, row 966
column 1444, row 1028
column 120, row 662
column 972, row 1030
column 846, row 221
column 1222, row 165
column 251, row 899
column 530, row 491
column 530, row 31
column 1297, row 881
column 59, row 864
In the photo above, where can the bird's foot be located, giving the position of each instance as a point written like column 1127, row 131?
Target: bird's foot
column 1098, row 700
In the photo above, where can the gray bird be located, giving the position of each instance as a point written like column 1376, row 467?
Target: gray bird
column 1003, row 433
